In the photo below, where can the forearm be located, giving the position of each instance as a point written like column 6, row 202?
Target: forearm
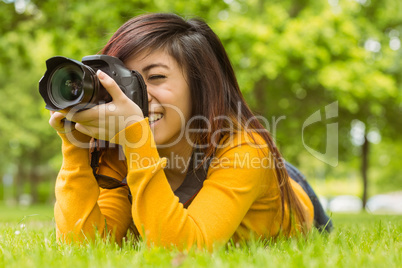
column 157, row 213
column 76, row 211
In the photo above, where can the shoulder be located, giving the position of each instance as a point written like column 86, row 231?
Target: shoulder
column 242, row 163
column 243, row 155
column 242, row 142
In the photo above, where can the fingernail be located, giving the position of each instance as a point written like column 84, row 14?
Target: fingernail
column 100, row 74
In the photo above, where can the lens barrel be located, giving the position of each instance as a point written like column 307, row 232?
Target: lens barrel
column 68, row 83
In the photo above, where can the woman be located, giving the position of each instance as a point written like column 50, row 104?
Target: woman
column 200, row 169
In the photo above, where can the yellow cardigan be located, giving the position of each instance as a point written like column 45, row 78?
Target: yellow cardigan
column 239, row 199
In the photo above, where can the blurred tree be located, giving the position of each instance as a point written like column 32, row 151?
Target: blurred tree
column 292, row 60
column 33, row 31
column 306, row 56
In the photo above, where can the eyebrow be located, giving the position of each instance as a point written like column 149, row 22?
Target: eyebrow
column 147, row 68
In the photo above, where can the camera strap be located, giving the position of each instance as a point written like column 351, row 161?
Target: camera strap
column 104, row 181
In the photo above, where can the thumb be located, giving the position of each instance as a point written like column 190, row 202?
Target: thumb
column 110, row 85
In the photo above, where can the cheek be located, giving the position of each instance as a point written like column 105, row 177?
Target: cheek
column 180, row 103
column 188, row 108
column 186, row 102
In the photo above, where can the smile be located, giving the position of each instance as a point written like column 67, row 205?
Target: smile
column 154, row 117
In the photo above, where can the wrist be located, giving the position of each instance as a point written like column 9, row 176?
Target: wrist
column 138, row 145
column 134, row 135
column 76, row 138
column 128, row 123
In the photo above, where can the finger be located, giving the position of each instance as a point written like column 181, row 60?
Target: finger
column 85, row 115
column 56, row 120
column 83, row 129
column 110, row 85
column 57, row 116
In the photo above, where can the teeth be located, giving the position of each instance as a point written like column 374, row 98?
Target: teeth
column 154, row 117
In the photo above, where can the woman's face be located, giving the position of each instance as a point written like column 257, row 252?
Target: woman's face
column 168, row 95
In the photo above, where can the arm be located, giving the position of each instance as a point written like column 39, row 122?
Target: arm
column 76, row 193
column 215, row 213
column 81, row 207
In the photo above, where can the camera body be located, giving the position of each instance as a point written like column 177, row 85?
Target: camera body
column 68, row 83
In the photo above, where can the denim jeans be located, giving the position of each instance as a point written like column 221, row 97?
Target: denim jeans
column 321, row 220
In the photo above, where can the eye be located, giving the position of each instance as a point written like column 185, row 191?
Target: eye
column 156, row 77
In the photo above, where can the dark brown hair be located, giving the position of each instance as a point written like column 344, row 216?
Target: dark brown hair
column 211, row 78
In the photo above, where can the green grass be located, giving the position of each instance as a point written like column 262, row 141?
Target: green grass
column 27, row 239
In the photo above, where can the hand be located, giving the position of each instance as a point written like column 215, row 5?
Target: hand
column 104, row 121
column 59, row 122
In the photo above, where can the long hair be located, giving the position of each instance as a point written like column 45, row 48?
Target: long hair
column 214, row 88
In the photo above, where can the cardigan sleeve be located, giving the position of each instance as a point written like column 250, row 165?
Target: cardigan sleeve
column 81, row 207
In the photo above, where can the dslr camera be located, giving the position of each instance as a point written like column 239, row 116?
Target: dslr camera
column 68, row 83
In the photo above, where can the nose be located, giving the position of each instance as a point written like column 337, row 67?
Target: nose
column 151, row 104
column 149, row 97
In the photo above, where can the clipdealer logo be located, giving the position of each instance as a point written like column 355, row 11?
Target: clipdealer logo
column 330, row 156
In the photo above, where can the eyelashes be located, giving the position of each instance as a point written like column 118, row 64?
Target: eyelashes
column 156, row 77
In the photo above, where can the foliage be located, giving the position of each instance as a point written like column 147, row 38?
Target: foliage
column 292, row 59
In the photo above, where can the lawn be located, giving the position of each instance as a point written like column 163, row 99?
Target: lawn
column 27, row 239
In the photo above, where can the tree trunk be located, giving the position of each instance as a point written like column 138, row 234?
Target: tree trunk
column 260, row 96
column 19, row 182
column 365, row 166
column 34, row 181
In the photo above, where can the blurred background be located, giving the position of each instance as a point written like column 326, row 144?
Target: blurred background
column 325, row 77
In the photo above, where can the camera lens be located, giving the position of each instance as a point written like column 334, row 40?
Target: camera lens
column 69, row 83
column 66, row 84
